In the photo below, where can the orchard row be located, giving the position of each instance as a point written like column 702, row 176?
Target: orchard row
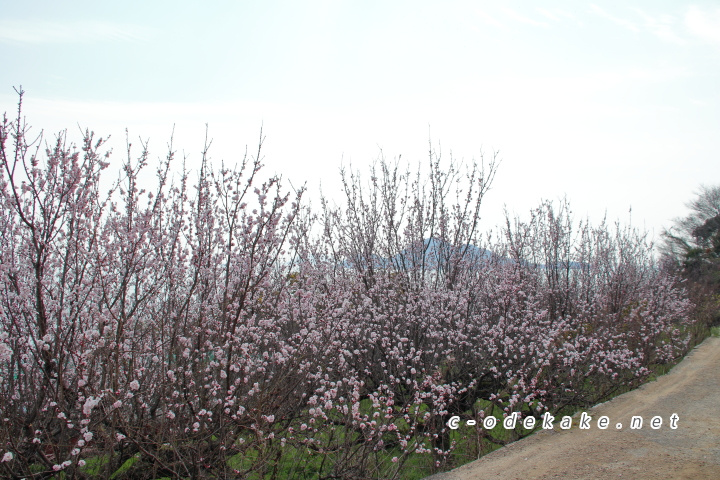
column 221, row 328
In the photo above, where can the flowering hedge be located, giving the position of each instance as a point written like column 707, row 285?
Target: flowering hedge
column 226, row 330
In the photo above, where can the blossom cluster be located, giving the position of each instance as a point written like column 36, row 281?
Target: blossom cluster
column 226, row 329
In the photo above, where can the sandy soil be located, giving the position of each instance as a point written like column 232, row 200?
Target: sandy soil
column 692, row 451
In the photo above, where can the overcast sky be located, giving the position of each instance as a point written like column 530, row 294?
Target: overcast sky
column 615, row 105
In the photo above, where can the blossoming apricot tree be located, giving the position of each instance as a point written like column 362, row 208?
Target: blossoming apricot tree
column 227, row 331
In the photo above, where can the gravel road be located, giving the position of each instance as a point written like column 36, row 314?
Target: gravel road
column 691, row 451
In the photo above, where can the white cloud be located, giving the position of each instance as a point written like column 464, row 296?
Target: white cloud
column 24, row 31
column 488, row 19
column 619, row 21
column 523, row 19
column 558, row 15
column 704, row 24
column 700, row 103
column 663, row 26
column 548, row 14
column 566, row 14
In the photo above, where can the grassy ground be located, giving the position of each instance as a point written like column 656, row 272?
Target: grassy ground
column 470, row 443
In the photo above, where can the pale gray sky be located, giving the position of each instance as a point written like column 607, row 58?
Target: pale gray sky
column 614, row 104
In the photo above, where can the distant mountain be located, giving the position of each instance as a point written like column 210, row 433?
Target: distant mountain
column 435, row 253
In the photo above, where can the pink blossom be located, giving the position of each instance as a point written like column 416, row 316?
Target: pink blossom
column 230, row 296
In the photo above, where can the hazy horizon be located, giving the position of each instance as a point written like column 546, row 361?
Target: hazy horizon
column 613, row 106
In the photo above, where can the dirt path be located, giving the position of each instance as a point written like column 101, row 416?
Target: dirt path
column 692, row 451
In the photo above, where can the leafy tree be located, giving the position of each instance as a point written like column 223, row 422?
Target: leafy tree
column 692, row 249
column 693, row 243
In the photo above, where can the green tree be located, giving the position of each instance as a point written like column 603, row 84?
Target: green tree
column 692, row 249
column 693, row 243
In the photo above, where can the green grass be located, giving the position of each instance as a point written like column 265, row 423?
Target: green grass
column 303, row 463
column 300, row 462
column 297, row 461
